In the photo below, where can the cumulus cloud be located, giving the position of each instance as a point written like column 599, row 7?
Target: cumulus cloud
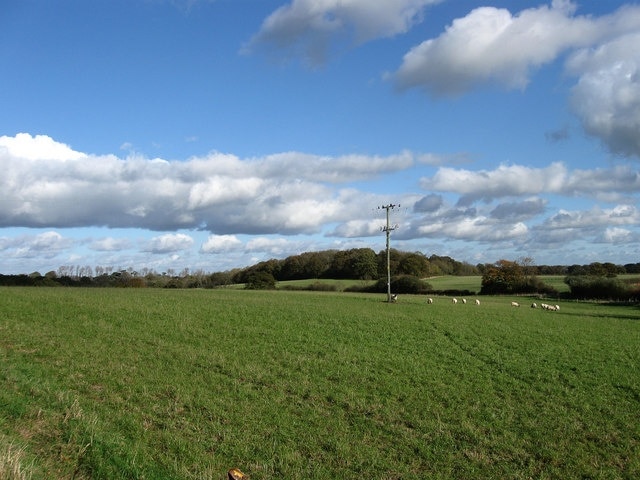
column 221, row 244
column 617, row 184
column 505, row 207
column 286, row 193
column 273, row 246
column 307, row 28
column 617, row 235
column 607, row 95
column 169, row 243
column 47, row 245
column 478, row 229
column 506, row 180
column 493, row 45
column 38, row 147
column 595, row 217
column 601, row 225
column 110, row 244
column 357, row 228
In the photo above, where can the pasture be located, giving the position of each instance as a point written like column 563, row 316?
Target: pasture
column 185, row 384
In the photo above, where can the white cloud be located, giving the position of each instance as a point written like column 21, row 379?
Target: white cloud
column 110, row 244
column 221, row 244
column 218, row 190
column 39, row 147
column 492, row 45
column 281, row 193
column 607, row 95
column 617, row 184
column 46, row 245
column 474, row 229
column 617, row 235
column 358, row 228
column 307, row 27
column 504, row 181
column 510, row 206
column 272, row 246
column 170, row 242
column 595, row 217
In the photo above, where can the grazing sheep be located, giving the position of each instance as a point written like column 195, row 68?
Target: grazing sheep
column 394, row 297
column 515, row 304
column 464, row 300
column 557, row 307
column 429, row 301
column 454, row 300
column 477, row 302
column 534, row 305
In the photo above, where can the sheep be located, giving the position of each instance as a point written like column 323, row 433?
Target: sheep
column 429, row 301
column 477, row 302
column 394, row 298
column 515, row 304
column 454, row 300
column 464, row 300
column 534, row 305
column 557, row 307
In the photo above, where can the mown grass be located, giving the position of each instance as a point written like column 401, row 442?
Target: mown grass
column 187, row 384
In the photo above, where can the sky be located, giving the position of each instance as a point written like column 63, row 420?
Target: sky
column 213, row 134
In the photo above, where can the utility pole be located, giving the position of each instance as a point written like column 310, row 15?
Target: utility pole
column 388, row 229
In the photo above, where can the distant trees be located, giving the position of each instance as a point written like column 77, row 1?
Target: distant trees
column 260, row 280
column 599, row 281
column 512, row 277
column 408, row 273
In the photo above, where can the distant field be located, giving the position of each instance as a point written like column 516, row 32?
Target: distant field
column 450, row 282
column 445, row 282
column 185, row 384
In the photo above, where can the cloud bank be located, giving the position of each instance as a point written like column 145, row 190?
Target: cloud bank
column 291, row 200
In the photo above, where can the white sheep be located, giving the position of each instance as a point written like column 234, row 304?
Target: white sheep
column 515, row 304
column 454, row 300
column 534, row 305
column 464, row 300
column 477, row 302
column 429, row 301
column 557, row 307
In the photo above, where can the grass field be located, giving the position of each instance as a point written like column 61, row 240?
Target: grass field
column 472, row 283
column 185, row 384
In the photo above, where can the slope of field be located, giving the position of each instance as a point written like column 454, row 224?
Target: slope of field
column 296, row 385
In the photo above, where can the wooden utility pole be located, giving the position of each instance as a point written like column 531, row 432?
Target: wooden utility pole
column 388, row 229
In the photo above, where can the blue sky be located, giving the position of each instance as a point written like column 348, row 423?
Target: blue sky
column 209, row 135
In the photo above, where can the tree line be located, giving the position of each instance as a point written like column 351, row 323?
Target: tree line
column 593, row 281
column 408, row 271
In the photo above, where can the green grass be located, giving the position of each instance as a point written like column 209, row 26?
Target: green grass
column 338, row 284
column 186, row 384
column 472, row 283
